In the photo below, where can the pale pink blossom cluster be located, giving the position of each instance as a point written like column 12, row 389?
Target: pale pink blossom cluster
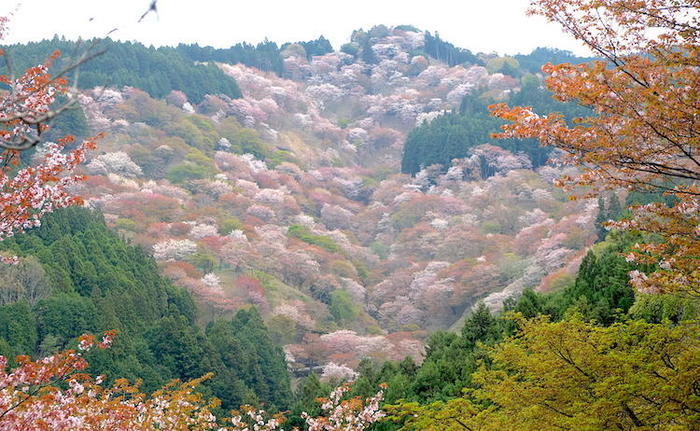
column 202, row 230
column 174, row 249
column 212, row 281
column 294, row 311
column 340, row 414
column 501, row 160
column 218, row 187
column 337, row 373
column 347, row 341
column 427, row 117
column 118, row 162
column 345, row 416
column 165, row 189
column 325, row 93
column 262, row 212
column 29, row 100
column 270, row 196
column 255, row 420
column 336, row 217
column 30, row 194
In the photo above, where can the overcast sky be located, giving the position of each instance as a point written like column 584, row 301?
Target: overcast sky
column 479, row 25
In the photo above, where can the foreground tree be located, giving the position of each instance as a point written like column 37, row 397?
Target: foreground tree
column 644, row 134
column 354, row 414
column 574, row 375
column 340, row 414
column 26, row 102
column 53, row 394
column 453, row 415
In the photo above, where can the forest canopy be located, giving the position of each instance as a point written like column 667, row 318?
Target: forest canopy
column 157, row 71
column 453, row 135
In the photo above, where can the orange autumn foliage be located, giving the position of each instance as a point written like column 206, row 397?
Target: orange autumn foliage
column 644, row 133
column 53, row 393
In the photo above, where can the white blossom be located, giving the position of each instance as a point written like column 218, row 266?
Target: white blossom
column 118, row 162
column 174, row 249
column 337, row 373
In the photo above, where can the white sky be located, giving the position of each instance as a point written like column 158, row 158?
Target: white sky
column 479, row 25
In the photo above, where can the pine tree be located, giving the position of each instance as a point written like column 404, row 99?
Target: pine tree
column 600, row 219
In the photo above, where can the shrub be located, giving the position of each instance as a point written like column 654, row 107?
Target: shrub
column 302, row 233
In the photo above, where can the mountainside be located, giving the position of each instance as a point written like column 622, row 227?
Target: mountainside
column 290, row 197
column 76, row 276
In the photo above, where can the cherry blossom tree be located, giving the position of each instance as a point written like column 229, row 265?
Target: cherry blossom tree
column 337, row 372
column 28, row 193
column 354, row 414
column 118, row 162
column 335, row 217
column 340, row 414
column 200, row 230
column 174, row 249
column 54, row 394
column 248, row 419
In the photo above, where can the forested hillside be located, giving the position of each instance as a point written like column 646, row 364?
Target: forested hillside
column 599, row 309
column 158, row 71
column 79, row 277
column 600, row 293
column 289, row 197
column 447, row 52
column 266, row 223
column 456, row 135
